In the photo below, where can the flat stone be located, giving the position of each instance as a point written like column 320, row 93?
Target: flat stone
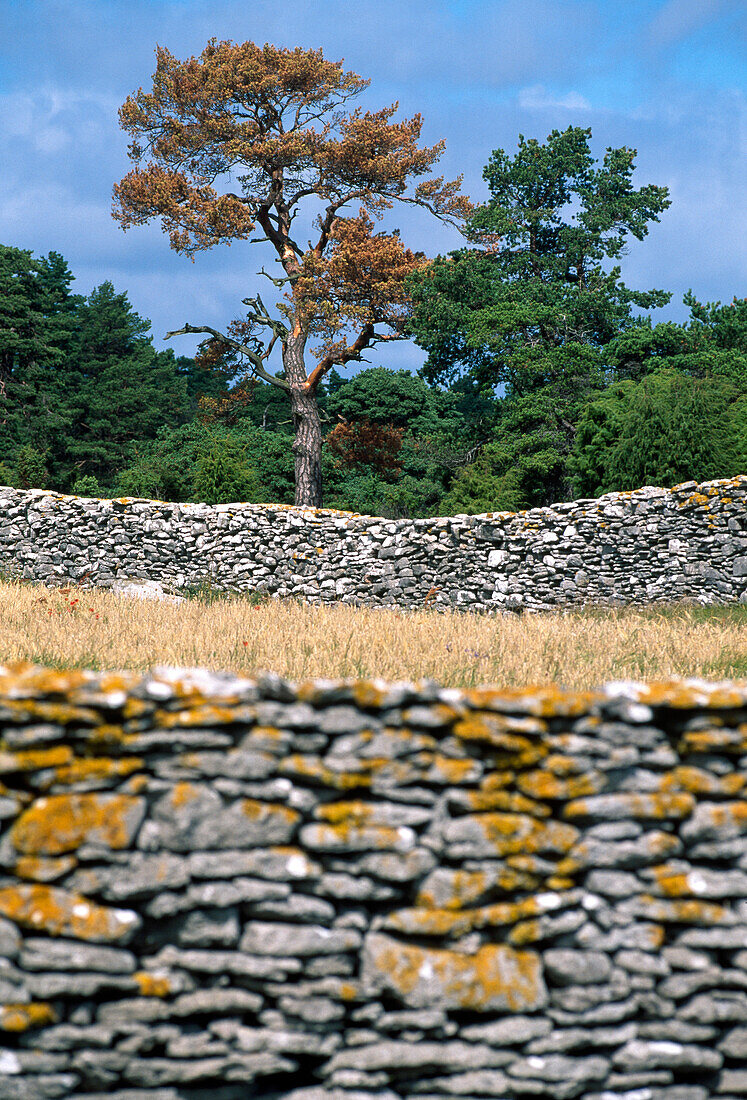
column 141, row 877
column 45, row 954
column 192, row 817
column 280, row 864
column 478, row 836
column 296, row 941
column 716, row 821
column 568, row 1076
column 62, row 913
column 357, row 838
column 511, row 1031
column 398, row 866
column 639, row 807
column 63, row 822
column 496, row 978
column 564, row 966
column 643, row 1054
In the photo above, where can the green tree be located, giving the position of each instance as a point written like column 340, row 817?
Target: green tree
column 712, row 342
column 666, row 429
column 529, row 310
column 124, row 389
column 35, row 311
column 222, row 473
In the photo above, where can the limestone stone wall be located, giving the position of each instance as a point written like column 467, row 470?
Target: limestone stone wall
column 221, row 888
column 689, row 542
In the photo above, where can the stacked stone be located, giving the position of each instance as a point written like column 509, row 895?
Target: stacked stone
column 689, row 542
column 216, row 887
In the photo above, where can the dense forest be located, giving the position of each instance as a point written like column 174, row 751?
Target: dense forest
column 546, row 377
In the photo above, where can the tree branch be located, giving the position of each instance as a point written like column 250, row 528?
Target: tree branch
column 367, row 338
column 243, row 349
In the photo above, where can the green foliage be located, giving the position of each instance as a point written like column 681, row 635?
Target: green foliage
column 31, row 468
column 666, row 429
column 222, row 473
column 124, row 389
column 713, row 342
column 524, row 466
column 86, row 486
column 503, row 313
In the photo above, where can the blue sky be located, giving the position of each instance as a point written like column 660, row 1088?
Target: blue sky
column 667, row 78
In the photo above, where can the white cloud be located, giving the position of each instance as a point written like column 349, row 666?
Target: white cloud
column 679, row 18
column 538, row 98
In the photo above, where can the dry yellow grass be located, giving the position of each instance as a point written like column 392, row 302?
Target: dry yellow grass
column 94, row 629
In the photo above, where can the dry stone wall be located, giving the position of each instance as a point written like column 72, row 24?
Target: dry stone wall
column 219, row 888
column 689, row 542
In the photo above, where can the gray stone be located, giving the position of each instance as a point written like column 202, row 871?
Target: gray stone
column 43, row 1087
column 277, row 864
column 716, row 1009
column 568, row 1076
column 564, row 966
column 734, row 1044
column 296, row 941
column 512, row 1031
column 46, row 954
column 10, row 939
column 645, row 1054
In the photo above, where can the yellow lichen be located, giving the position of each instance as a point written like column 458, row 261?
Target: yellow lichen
column 22, row 1017
column 62, row 822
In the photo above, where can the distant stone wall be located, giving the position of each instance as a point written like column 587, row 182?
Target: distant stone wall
column 219, row 888
column 689, row 542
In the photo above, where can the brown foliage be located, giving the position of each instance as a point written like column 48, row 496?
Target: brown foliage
column 275, row 122
column 361, row 443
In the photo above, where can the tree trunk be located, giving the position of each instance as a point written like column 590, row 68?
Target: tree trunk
column 307, row 424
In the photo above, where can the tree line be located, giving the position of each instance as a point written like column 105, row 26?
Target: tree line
column 546, row 376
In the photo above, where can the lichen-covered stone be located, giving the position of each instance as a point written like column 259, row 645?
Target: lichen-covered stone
column 493, row 979
column 61, row 823
column 61, row 913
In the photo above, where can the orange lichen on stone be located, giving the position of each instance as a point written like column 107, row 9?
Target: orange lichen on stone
column 23, row 1017
column 691, row 694
column 442, row 769
column 96, row 767
column 207, row 714
column 62, row 822
column 445, row 922
column 539, row 700
column 261, row 811
column 494, row 978
column 44, row 869
column 559, row 764
column 495, row 781
column 109, row 733
column 182, row 794
column 715, row 739
column 314, row 769
column 347, row 836
column 698, row 781
column 61, row 913
column 486, row 729
column 31, row 760
column 45, row 710
column 461, row 888
column 352, row 813
column 510, row 834
column 642, row 807
column 687, row 911
column 152, row 985
column 506, row 800
column 543, row 784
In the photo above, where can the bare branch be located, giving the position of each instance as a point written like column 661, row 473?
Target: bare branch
column 252, row 354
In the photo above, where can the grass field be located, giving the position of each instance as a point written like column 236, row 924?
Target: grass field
column 68, row 628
